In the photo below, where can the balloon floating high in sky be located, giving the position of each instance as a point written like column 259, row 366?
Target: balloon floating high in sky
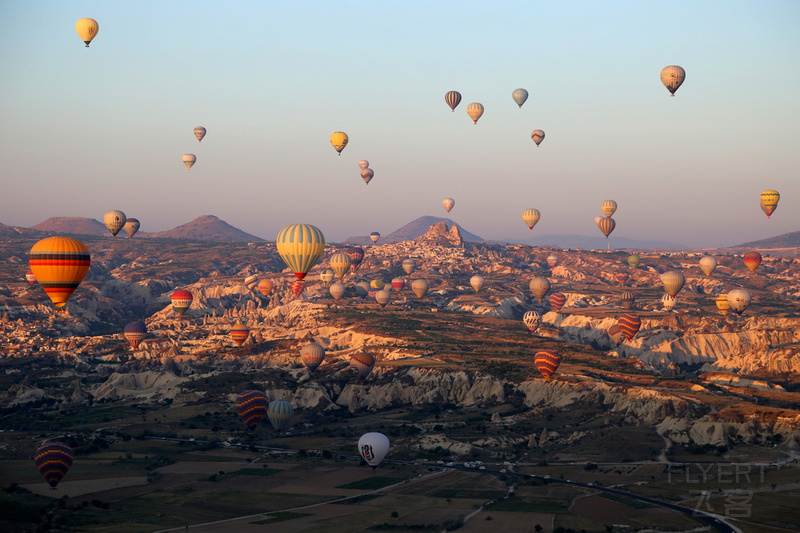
column 453, row 98
column 519, row 96
column 672, row 77
column 475, row 111
column 87, row 29
column 339, row 140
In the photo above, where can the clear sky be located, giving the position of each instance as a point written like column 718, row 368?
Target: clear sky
column 85, row 130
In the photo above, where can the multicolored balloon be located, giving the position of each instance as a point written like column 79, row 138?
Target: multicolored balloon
column 312, row 355
column 340, row 263
column 622, row 278
column 626, row 299
column 398, row 284
column 672, row 77
column 327, row 276
column 629, row 325
column 54, row 461
column 364, row 363
column 181, row 300
column 189, row 160
column 265, row 287
column 374, row 236
column 552, row 261
column 547, row 362
column 30, row 278
column 532, row 319
column 752, row 260
column 279, row 412
column 200, row 132
column 239, row 333
column 59, row 264
column 531, row 216
column 382, row 296
column 615, row 332
column 250, row 282
column 475, row 111
column 668, row 302
column 769, row 201
column 722, row 304
column 606, row 225
column 739, row 299
column 609, row 207
column 367, row 174
column 134, row 332
column 453, row 98
column 409, row 265
column 557, row 301
column 252, row 405
column 356, row 255
column 537, row 136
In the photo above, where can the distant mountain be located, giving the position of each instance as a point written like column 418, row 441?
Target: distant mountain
column 206, row 228
column 15, row 232
column 73, row 225
column 596, row 243
column 787, row 240
column 414, row 229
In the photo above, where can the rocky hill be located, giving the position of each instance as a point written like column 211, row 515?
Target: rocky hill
column 207, row 228
column 414, row 229
column 73, row 226
column 787, row 240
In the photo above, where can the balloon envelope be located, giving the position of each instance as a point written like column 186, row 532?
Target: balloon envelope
column 626, row 299
column 672, row 77
column 708, row 264
column 134, row 332
column 189, row 160
column 356, row 256
column 453, row 98
column 519, row 96
column 250, row 282
column 531, row 217
column 374, row 236
column 265, row 286
column 539, row 287
column 547, row 362
column 337, row 290
column 557, row 301
column 54, row 461
column 59, row 264
column 634, row 261
column 181, row 300
column 537, row 136
column 30, row 278
column 532, row 319
column 363, row 164
column 398, row 284
column 340, row 263
column 475, row 111
column 606, row 225
column 199, row 132
column 364, row 363
column 131, row 226
column 87, row 29
column 312, row 355
column 552, row 260
column 339, row 140
column 279, row 412
column 752, row 260
column 300, row 246
column 419, row 287
column 722, row 304
column 769, row 201
column 448, row 204
column 673, row 282
column 373, row 448
column 239, row 333
column 668, row 302
column 738, row 300
column 615, row 332
column 252, row 405
column 327, row 276
column 476, row 282
column 609, row 207
column 367, row 175
column 114, row 221
column 409, row 265
column 629, row 325
column 382, row 297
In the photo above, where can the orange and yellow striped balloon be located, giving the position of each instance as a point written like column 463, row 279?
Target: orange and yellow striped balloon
column 547, row 362
column 59, row 265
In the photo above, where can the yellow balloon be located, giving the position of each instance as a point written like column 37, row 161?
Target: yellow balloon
column 339, row 140
column 769, row 201
column 475, row 110
column 609, row 207
column 87, row 29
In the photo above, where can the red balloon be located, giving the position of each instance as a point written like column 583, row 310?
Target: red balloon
column 557, row 301
column 629, row 325
column 547, row 362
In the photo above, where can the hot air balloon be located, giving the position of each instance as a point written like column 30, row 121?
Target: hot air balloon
column 557, row 301
column 189, row 160
column 672, row 77
column 752, row 260
column 363, row 164
column 362, row 289
column 626, row 299
column 131, row 226
column 30, row 278
column 476, row 282
column 409, row 265
column 339, row 140
column 708, row 264
column 134, row 332
column 199, row 132
column 340, row 263
column 364, row 363
column 250, row 282
column 453, row 98
column 296, row 287
column 622, row 278
column 738, row 300
column 337, row 290
column 59, row 264
column 265, row 287
column 398, row 284
column 279, row 412
column 181, row 300
column 327, row 276
column 722, row 304
column 239, row 333
column 634, row 260
column 547, row 362
column 448, row 204
column 367, row 175
column 537, row 136
column 374, row 236
column 769, row 201
column 382, row 296
column 609, row 207
column 252, row 405
column 532, row 319
column 552, row 260
column 615, row 332
column 87, row 29
column 668, row 302
column 629, row 325
column 673, row 282
column 606, row 225
column 114, row 221
column 539, row 287
column 300, row 246
column 377, row 284
column 53, row 461
column 312, row 355
column 419, row 287
column 356, row 256
column 519, row 96
column 531, row 217
column 373, row 447
column 475, row 111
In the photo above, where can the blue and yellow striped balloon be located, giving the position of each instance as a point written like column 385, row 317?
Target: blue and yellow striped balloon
column 279, row 412
column 300, row 246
